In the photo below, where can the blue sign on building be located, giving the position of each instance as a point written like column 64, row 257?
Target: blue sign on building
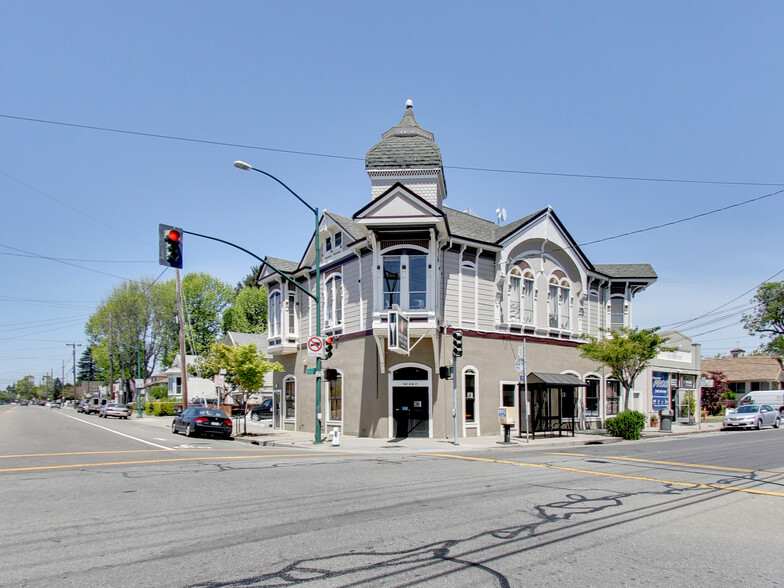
column 660, row 397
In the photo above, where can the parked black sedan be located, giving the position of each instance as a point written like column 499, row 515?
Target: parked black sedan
column 197, row 420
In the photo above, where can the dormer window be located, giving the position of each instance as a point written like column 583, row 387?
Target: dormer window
column 338, row 240
column 328, row 244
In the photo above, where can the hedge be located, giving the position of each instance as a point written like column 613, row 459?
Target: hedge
column 627, row 424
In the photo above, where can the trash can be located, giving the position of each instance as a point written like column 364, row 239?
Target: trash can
column 665, row 420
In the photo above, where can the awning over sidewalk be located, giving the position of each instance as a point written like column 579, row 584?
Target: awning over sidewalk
column 555, row 380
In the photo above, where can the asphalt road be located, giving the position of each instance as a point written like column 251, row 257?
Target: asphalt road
column 90, row 502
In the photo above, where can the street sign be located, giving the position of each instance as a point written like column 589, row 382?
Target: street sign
column 315, row 347
column 519, row 365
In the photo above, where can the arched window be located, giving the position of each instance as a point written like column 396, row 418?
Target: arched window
column 333, row 301
column 469, row 395
column 274, row 317
column 289, row 398
column 404, row 279
column 592, row 396
column 558, row 301
column 521, row 295
column 613, row 397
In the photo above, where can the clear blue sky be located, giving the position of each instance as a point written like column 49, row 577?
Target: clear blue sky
column 664, row 90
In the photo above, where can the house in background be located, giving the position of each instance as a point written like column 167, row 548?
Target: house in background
column 197, row 387
column 748, row 373
column 404, row 274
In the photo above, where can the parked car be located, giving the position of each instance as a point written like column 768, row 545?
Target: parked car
column 53, row 404
column 774, row 398
column 113, row 409
column 197, row 420
column 752, row 415
column 94, row 404
column 262, row 411
column 80, row 406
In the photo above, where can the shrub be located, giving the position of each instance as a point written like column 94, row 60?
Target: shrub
column 160, row 408
column 627, row 424
column 159, row 392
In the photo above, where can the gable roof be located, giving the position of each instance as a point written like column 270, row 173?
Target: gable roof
column 348, row 225
column 237, row 338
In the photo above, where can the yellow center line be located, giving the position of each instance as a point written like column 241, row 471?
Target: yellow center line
column 672, row 463
column 113, row 451
column 610, row 475
column 148, row 461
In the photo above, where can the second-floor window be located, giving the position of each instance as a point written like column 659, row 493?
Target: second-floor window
column 404, row 280
column 558, row 304
column 333, row 301
column 274, row 314
column 521, row 297
column 291, row 314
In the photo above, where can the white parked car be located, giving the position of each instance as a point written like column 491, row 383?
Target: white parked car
column 752, row 415
column 112, row 409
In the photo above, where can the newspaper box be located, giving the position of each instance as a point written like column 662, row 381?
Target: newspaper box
column 506, row 415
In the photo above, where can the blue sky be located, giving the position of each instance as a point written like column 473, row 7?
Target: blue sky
column 548, row 92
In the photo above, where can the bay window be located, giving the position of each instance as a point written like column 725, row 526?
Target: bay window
column 404, row 280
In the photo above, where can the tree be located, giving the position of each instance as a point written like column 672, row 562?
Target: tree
column 87, row 368
column 626, row 352
column 249, row 281
column 245, row 367
column 248, row 312
column 768, row 316
column 140, row 317
column 205, row 298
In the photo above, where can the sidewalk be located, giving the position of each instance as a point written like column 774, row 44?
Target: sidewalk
column 259, row 434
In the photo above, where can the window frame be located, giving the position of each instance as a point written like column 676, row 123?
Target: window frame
column 274, row 305
column 401, row 293
column 290, row 401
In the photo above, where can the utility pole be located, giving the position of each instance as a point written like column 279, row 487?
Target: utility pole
column 181, row 321
column 111, row 360
column 74, row 346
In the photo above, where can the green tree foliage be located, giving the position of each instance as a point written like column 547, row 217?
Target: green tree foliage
column 626, row 352
column 205, row 299
column 248, row 312
column 26, row 389
column 87, row 369
column 768, row 316
column 249, row 281
column 140, row 316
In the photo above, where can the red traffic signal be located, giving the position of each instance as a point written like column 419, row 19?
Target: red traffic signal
column 170, row 246
column 173, row 235
column 328, row 347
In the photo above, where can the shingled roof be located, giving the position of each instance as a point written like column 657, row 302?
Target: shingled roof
column 406, row 145
column 626, row 270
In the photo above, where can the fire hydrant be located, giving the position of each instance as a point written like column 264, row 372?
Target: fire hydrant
column 335, row 434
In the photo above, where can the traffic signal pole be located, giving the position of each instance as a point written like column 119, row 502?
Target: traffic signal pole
column 181, row 320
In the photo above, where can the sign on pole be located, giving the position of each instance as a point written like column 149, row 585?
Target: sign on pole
column 397, row 332
column 519, row 366
column 315, row 347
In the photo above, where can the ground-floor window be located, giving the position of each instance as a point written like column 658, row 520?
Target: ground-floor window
column 335, row 394
column 613, row 396
column 469, row 388
column 592, row 396
column 290, row 397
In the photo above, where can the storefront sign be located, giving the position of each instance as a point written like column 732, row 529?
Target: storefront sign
column 660, row 397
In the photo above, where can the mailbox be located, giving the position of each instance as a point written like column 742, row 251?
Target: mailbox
column 506, row 415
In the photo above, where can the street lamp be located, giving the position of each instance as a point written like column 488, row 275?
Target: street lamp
column 316, row 296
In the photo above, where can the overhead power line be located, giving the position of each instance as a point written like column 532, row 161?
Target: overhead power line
column 354, row 158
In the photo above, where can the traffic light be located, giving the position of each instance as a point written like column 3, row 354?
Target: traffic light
column 328, row 347
column 457, row 343
column 170, row 246
column 330, row 375
column 445, row 372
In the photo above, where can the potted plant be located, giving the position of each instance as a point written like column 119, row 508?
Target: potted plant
column 654, row 420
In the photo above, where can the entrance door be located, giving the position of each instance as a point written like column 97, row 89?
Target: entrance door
column 410, row 411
